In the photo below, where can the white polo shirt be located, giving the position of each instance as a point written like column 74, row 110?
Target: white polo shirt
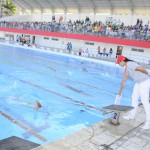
column 137, row 76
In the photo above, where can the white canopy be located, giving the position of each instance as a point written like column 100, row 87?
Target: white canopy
column 84, row 6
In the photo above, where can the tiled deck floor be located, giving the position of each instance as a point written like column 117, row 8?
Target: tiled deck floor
column 127, row 136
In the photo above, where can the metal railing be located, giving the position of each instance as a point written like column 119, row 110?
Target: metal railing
column 137, row 34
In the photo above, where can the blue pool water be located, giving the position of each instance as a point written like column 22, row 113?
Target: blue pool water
column 72, row 92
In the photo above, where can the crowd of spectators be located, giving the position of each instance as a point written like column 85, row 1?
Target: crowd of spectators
column 22, row 39
column 103, row 52
column 111, row 27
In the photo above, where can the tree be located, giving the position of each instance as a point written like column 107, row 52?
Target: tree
column 11, row 8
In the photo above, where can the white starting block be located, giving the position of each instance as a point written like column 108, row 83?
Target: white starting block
column 117, row 109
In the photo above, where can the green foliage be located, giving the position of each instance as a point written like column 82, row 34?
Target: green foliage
column 10, row 7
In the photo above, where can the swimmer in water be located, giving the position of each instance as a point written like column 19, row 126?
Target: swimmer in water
column 37, row 105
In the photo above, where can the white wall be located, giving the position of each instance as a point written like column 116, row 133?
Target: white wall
column 143, row 57
column 2, row 34
column 73, row 17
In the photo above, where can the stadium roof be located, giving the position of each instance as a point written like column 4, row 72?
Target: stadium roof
column 84, row 6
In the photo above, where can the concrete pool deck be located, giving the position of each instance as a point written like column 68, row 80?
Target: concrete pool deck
column 129, row 135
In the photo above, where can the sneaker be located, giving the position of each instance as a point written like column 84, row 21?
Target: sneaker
column 146, row 126
column 128, row 117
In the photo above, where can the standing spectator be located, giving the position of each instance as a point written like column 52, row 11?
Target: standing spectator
column 141, row 23
column 28, row 41
column 137, row 22
column 60, row 19
column 17, row 38
column 53, row 18
column 70, row 47
column 110, row 52
column 104, row 51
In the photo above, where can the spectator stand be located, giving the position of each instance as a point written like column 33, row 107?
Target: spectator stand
column 114, row 28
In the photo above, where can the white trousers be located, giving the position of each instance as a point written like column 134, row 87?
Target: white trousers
column 141, row 90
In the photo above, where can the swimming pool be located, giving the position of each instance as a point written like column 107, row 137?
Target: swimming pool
column 72, row 92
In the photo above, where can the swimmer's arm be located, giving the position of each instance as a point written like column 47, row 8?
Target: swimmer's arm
column 30, row 105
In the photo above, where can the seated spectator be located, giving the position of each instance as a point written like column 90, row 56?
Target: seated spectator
column 99, row 51
column 104, row 52
column 85, row 52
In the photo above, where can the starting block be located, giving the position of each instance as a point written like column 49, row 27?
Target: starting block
column 116, row 110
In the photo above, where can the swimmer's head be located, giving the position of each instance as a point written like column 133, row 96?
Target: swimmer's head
column 37, row 104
